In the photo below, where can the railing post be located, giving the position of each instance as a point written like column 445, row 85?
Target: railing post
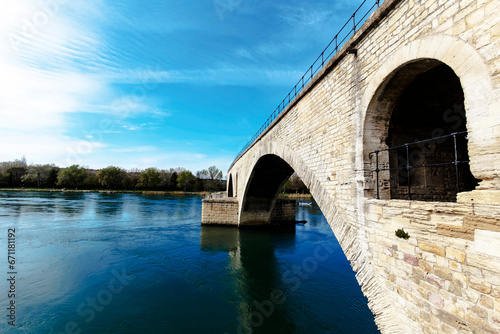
column 408, row 170
column 457, row 171
column 377, row 170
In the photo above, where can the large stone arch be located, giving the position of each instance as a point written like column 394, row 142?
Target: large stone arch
column 351, row 237
column 479, row 96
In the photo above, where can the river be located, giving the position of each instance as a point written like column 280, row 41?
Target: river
column 129, row 263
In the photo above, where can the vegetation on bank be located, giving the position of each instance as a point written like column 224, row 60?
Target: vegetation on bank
column 18, row 174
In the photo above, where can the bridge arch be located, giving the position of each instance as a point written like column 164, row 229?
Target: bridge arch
column 286, row 158
column 436, row 54
column 351, row 237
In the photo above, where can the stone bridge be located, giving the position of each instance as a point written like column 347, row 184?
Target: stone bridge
column 416, row 70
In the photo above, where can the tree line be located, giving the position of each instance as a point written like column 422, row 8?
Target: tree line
column 18, row 173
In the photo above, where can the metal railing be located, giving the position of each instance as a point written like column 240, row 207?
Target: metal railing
column 408, row 166
column 331, row 49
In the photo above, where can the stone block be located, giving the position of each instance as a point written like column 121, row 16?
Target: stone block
column 461, row 232
column 432, row 248
column 429, row 257
column 436, row 299
column 426, row 266
column 479, row 285
column 495, row 291
column 404, row 284
column 479, row 311
column 410, row 259
column 455, row 266
column 455, row 254
column 443, row 273
column 487, row 242
column 435, row 280
column 483, row 262
column 482, row 223
column 486, row 301
column 474, row 319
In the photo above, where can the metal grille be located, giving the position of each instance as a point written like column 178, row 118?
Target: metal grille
column 408, row 167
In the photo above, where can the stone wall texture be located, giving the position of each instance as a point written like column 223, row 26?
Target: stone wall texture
column 446, row 277
column 219, row 211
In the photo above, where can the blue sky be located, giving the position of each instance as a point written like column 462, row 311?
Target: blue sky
column 140, row 84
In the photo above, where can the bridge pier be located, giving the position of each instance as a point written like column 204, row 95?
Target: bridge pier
column 224, row 211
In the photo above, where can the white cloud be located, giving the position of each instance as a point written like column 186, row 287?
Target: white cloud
column 39, row 86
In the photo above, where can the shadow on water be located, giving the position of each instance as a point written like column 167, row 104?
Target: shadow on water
column 256, row 276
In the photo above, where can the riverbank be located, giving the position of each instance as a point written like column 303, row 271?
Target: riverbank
column 148, row 192
column 296, row 196
column 109, row 191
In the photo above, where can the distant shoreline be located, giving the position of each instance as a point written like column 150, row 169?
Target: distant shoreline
column 145, row 192
column 295, row 196
column 110, row 191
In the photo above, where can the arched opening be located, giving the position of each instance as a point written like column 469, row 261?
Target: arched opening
column 267, row 178
column 416, row 135
column 230, row 186
column 259, row 204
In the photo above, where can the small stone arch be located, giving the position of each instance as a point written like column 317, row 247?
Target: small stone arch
column 230, row 186
column 401, row 69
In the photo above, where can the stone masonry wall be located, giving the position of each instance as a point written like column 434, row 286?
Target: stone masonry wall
column 224, row 211
column 284, row 211
column 445, row 278
column 219, row 211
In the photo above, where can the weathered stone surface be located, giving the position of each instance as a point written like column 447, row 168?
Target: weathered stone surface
column 455, row 254
column 495, row 291
column 432, row 248
column 462, row 232
column 482, row 223
column 437, row 281
column 426, row 266
column 479, row 285
column 411, row 259
column 443, row 273
column 486, row 301
column 483, row 262
column 436, row 299
column 487, row 242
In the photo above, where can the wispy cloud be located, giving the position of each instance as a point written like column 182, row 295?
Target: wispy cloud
column 302, row 16
column 224, row 76
column 133, row 149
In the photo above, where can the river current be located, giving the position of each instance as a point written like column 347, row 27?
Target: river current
column 129, row 263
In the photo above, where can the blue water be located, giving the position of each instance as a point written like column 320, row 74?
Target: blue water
column 128, row 263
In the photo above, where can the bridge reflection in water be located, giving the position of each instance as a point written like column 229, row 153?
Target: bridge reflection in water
column 282, row 287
